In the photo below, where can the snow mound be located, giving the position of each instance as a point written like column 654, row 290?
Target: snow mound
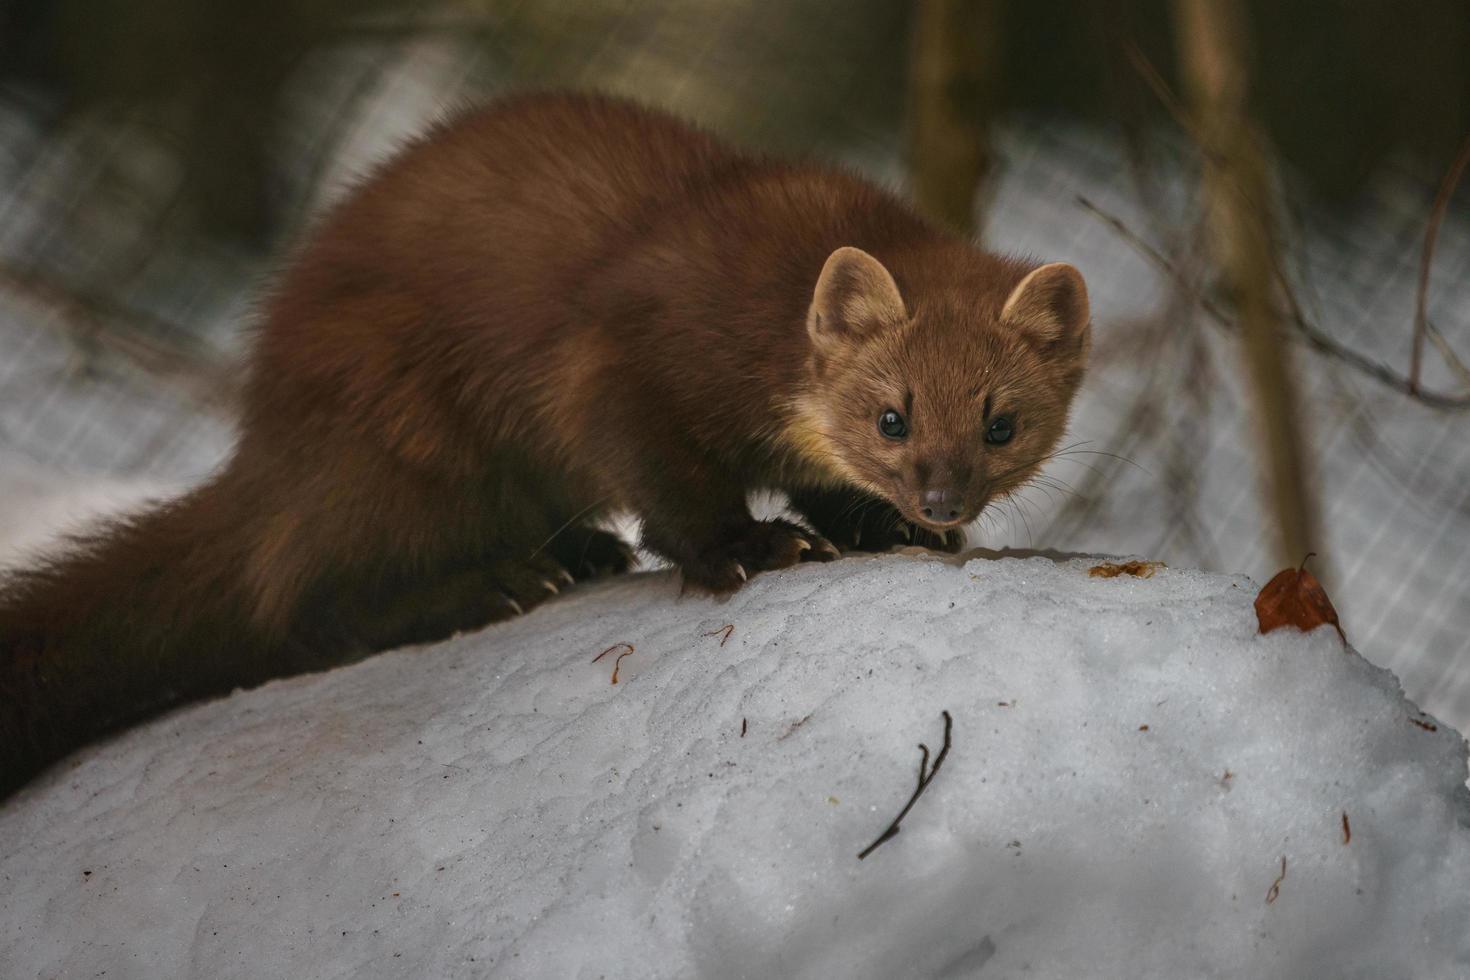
column 1132, row 768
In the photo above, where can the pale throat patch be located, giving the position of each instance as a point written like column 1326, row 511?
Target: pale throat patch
column 812, row 453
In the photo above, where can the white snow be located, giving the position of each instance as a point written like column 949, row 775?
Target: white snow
column 40, row 505
column 494, row 807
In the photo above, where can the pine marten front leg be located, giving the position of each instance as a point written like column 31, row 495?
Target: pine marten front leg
column 698, row 518
column 854, row 520
column 731, row 547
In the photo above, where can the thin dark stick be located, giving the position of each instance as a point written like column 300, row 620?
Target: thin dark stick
column 1431, row 235
column 926, row 776
column 1163, row 92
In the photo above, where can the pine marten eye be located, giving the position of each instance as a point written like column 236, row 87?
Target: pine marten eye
column 892, row 425
column 1000, row 431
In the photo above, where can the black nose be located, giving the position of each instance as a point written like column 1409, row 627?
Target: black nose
column 940, row 505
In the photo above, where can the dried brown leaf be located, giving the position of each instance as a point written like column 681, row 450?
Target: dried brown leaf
column 1294, row 597
column 1138, row 569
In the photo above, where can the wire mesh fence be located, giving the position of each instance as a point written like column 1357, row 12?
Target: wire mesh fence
column 122, row 326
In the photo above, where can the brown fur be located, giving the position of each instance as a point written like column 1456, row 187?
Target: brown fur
column 547, row 310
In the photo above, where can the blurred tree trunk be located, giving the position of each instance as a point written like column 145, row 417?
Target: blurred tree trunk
column 953, row 80
column 1211, row 38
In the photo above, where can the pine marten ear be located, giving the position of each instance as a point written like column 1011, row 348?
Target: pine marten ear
column 855, row 297
column 1050, row 305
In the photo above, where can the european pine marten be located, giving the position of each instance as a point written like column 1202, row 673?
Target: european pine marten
column 550, row 309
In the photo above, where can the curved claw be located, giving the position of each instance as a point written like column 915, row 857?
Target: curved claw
column 819, row 549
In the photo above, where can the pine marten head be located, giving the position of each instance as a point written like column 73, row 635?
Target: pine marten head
column 950, row 400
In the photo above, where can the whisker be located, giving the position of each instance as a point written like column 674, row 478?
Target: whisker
column 1021, row 503
column 570, row 521
column 1099, row 452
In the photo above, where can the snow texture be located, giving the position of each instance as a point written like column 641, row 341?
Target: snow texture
column 1132, row 763
column 39, row 506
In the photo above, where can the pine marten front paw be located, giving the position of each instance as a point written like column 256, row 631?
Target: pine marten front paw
column 858, row 522
column 951, row 541
column 757, row 547
column 884, row 531
column 590, row 552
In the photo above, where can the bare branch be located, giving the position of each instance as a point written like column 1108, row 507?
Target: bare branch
column 94, row 323
column 1426, row 259
column 1314, row 336
column 1240, row 209
column 926, row 776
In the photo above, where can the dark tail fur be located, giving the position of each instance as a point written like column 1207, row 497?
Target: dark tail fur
column 140, row 615
column 270, row 569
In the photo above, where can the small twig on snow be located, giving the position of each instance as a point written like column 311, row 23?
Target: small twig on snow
column 1276, row 885
column 727, row 630
column 926, row 776
column 618, row 661
column 794, row 726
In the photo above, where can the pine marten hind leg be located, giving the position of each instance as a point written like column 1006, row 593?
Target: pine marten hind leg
column 461, row 599
column 469, row 598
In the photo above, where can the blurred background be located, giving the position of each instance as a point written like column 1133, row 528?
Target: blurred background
column 1262, row 196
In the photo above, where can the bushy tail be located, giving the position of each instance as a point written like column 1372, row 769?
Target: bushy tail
column 143, row 614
